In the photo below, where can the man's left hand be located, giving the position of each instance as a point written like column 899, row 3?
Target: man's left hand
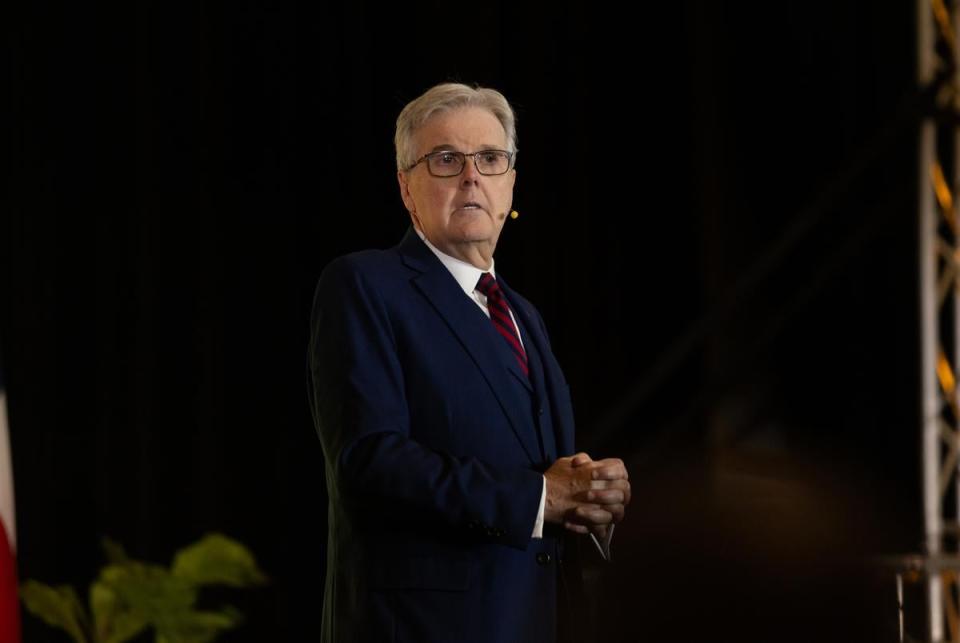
column 609, row 495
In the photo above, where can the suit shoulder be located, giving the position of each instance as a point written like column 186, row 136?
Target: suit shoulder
column 363, row 261
column 364, row 265
column 345, row 277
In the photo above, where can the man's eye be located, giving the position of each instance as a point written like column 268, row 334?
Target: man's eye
column 446, row 159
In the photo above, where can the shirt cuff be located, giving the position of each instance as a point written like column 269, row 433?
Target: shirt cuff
column 538, row 526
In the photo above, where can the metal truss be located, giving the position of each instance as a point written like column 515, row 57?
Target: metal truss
column 939, row 254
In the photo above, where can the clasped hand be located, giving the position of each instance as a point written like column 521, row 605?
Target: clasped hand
column 586, row 495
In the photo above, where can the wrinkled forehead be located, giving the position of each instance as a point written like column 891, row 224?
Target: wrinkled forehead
column 464, row 129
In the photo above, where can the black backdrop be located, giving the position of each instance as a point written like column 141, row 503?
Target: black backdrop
column 716, row 222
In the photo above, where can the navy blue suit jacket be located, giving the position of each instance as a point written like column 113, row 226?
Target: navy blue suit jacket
column 434, row 446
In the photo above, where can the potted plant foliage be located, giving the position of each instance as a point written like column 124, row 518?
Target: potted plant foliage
column 131, row 597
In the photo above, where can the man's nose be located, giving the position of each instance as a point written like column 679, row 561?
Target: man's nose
column 470, row 172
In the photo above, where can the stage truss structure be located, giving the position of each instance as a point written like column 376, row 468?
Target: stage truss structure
column 938, row 154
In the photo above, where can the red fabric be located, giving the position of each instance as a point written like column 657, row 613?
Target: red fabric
column 500, row 316
column 9, row 598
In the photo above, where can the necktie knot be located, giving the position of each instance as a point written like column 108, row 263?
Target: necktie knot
column 487, row 284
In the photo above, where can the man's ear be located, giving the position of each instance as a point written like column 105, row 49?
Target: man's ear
column 405, row 191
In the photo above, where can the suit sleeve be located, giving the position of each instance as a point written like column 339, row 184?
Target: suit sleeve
column 364, row 426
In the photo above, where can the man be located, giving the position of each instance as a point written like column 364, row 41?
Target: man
column 445, row 420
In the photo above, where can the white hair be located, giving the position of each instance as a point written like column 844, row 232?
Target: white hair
column 443, row 98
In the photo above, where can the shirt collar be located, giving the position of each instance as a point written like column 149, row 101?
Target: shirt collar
column 466, row 274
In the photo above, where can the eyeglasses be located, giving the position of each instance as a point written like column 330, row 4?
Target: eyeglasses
column 449, row 163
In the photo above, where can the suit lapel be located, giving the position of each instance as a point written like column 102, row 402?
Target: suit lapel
column 472, row 329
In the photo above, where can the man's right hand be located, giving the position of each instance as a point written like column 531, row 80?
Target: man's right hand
column 582, row 493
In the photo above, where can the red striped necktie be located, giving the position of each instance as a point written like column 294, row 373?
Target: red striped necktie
column 500, row 316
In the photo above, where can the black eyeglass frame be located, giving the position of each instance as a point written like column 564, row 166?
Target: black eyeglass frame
column 463, row 164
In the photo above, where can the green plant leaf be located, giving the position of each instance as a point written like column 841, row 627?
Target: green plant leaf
column 197, row 626
column 130, row 596
column 57, row 607
column 114, row 551
column 114, row 622
column 218, row 560
column 149, row 591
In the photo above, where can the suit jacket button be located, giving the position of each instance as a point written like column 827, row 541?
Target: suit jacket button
column 540, row 411
column 492, row 532
column 543, row 558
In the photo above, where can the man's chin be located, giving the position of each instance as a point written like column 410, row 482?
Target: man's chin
column 478, row 231
column 480, row 239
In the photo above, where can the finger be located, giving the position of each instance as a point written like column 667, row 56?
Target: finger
column 580, row 459
column 579, row 529
column 607, row 497
column 609, row 472
column 593, row 518
column 592, row 515
column 613, row 467
column 618, row 483
column 624, row 487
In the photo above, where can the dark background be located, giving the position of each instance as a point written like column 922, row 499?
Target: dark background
column 717, row 223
